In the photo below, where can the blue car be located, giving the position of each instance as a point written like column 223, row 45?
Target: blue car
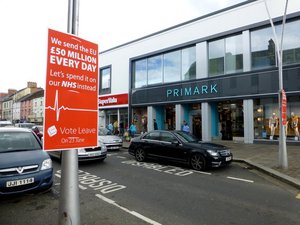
column 24, row 166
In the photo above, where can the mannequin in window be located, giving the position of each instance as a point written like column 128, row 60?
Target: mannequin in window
column 294, row 125
column 273, row 123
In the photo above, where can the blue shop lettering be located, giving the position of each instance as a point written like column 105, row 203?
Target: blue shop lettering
column 191, row 91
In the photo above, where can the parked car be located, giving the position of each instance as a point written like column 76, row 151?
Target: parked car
column 24, row 166
column 112, row 142
column 86, row 154
column 5, row 123
column 25, row 125
column 179, row 147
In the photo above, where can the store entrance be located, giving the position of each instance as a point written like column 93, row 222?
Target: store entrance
column 231, row 118
column 197, row 128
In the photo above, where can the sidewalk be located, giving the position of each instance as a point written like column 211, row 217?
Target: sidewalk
column 264, row 157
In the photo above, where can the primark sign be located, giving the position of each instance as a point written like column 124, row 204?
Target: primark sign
column 192, row 91
column 176, row 93
column 246, row 85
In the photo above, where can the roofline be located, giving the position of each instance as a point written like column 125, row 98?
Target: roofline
column 181, row 24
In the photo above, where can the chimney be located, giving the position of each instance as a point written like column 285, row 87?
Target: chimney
column 31, row 84
column 12, row 91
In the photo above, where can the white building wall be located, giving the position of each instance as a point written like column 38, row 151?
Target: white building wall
column 208, row 26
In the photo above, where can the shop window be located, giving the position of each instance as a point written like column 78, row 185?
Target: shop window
column 105, row 80
column 154, row 66
column 234, row 54
column 140, row 119
column 262, row 48
column 165, row 68
column 266, row 118
column 226, row 55
column 140, row 73
column 172, row 66
column 291, row 42
column 263, row 51
column 216, row 56
column 188, row 63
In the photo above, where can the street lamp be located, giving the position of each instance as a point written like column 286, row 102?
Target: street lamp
column 283, row 162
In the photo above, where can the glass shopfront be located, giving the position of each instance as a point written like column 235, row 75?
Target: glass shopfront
column 140, row 119
column 266, row 118
column 231, row 119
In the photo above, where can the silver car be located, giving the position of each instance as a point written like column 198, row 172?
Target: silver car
column 86, row 154
column 112, row 142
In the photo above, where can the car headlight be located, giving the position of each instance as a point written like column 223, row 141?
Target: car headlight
column 213, row 153
column 103, row 147
column 47, row 164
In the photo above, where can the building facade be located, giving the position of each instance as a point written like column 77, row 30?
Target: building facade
column 219, row 73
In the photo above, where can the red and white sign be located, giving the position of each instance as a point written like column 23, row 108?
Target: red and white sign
column 283, row 109
column 71, row 94
column 112, row 100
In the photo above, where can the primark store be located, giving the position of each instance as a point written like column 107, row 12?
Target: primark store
column 218, row 72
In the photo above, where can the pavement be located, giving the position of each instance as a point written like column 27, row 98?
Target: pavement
column 264, row 156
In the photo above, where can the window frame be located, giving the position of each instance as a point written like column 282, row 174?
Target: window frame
column 104, row 90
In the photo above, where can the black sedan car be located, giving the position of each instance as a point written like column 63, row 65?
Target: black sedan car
column 179, row 147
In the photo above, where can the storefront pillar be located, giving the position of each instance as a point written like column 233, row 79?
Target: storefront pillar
column 248, row 121
column 206, row 121
column 179, row 112
column 151, row 114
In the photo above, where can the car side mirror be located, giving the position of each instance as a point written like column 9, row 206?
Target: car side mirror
column 175, row 142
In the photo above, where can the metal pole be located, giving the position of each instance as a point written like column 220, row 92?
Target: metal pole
column 69, row 210
column 282, row 154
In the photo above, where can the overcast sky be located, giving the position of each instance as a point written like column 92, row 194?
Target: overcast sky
column 25, row 23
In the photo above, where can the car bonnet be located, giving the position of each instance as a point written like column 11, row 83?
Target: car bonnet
column 22, row 158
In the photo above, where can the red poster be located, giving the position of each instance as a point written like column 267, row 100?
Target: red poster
column 71, row 94
column 283, row 104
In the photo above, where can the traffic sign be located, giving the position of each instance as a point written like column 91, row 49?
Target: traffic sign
column 71, row 93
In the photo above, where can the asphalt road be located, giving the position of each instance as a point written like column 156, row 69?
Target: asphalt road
column 123, row 191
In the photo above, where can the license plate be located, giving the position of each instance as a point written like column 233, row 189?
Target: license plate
column 115, row 147
column 94, row 154
column 14, row 183
column 228, row 158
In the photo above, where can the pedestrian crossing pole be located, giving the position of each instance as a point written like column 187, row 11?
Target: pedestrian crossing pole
column 282, row 156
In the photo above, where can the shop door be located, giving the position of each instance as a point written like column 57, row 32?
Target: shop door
column 197, row 126
column 231, row 118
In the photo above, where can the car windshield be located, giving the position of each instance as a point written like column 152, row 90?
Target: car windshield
column 104, row 131
column 187, row 137
column 18, row 141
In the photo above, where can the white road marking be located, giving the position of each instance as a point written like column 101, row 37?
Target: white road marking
column 146, row 219
column 80, row 186
column 240, row 179
column 121, row 157
column 205, row 173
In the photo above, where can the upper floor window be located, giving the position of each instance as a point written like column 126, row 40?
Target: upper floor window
column 225, row 56
column 154, row 66
column 105, row 80
column 188, row 63
column 263, row 50
column 172, row 67
column 291, row 42
column 165, row 68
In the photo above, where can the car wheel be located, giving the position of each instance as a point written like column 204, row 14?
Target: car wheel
column 140, row 155
column 198, row 162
